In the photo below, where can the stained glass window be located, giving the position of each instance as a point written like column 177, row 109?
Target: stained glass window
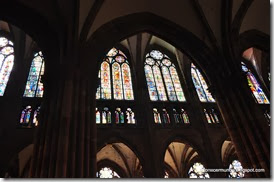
column 119, row 116
column 184, row 116
column 255, row 87
column 207, row 116
column 34, row 86
column 130, row 116
column 198, row 171
column 181, row 116
column 166, row 117
column 215, row 116
column 6, row 62
column 162, row 79
column 115, row 77
column 25, row 115
column 200, row 85
column 177, row 116
column 35, row 116
column 156, row 114
column 106, row 116
column 98, row 116
column 105, row 81
column 151, row 84
column 211, row 116
column 107, row 172
column 236, row 170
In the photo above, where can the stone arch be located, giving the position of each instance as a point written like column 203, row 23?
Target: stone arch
column 123, row 27
column 195, row 150
column 180, row 157
column 34, row 25
column 19, row 165
column 253, row 38
column 228, row 153
column 126, row 152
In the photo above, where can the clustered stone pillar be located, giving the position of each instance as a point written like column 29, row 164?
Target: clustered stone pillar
column 245, row 123
column 65, row 144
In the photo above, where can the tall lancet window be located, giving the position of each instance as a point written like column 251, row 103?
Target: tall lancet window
column 34, row 86
column 210, row 111
column 200, row 85
column 115, row 77
column 6, row 62
column 164, row 86
column 255, row 87
column 162, row 78
column 115, row 91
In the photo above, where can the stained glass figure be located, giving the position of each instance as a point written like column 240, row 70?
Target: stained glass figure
column 119, row 116
column 166, row 119
column 157, row 118
column 116, row 82
column 159, row 83
column 34, row 86
column 128, row 91
column 106, row 116
column 162, row 78
column 198, row 171
column 130, row 116
column 169, row 85
column 151, row 83
column 208, row 118
column 177, row 84
column 236, row 170
column 215, row 116
column 98, row 116
column 211, row 116
column 25, row 115
column 177, row 116
column 184, row 116
column 35, row 116
column 200, row 85
column 105, row 81
column 255, row 87
column 6, row 62
column 107, row 172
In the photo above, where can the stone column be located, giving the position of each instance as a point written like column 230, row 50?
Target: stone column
column 64, row 143
column 244, row 121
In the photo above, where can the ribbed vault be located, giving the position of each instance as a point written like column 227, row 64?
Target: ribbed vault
column 123, row 156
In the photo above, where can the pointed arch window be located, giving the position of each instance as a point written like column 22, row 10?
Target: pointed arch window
column 25, row 115
column 255, row 87
column 115, row 77
column 115, row 97
column 164, row 85
column 29, row 116
column 6, row 62
column 200, row 85
column 34, row 86
column 162, row 78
